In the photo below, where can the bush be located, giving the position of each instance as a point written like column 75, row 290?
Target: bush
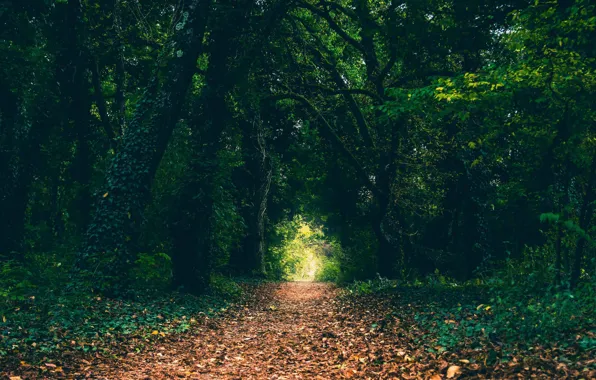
column 224, row 287
column 15, row 283
column 153, row 270
column 330, row 270
column 378, row 285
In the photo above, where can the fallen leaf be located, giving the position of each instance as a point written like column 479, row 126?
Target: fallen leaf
column 453, row 371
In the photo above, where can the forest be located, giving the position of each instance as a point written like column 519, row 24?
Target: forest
column 367, row 189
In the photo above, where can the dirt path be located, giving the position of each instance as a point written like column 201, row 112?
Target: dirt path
column 309, row 331
column 290, row 331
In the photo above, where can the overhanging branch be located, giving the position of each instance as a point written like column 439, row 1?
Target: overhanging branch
column 330, row 133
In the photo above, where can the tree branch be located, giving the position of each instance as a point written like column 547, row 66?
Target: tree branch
column 354, row 107
column 332, row 24
column 336, row 141
column 340, row 8
column 352, row 91
column 101, row 102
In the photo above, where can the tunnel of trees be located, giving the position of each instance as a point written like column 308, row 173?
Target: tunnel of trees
column 160, row 157
column 172, row 140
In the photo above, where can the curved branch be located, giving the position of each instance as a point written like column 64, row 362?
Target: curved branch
column 336, row 141
column 101, row 101
column 352, row 91
column 351, row 14
column 336, row 28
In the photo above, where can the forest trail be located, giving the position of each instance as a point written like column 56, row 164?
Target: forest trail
column 288, row 331
column 307, row 330
column 296, row 330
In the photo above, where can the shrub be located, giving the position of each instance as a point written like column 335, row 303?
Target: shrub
column 224, row 287
column 153, row 270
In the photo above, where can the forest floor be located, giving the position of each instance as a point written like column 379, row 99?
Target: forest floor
column 304, row 330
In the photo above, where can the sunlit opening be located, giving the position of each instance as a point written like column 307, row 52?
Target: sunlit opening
column 305, row 253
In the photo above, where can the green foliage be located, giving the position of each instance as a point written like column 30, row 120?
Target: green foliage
column 379, row 285
column 358, row 137
column 153, row 270
column 455, row 316
column 224, row 287
column 330, row 269
column 569, row 225
column 15, row 282
column 90, row 323
column 41, row 310
column 304, row 253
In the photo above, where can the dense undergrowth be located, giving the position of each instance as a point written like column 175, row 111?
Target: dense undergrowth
column 43, row 309
column 500, row 312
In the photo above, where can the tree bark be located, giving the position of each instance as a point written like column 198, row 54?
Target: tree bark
column 120, row 74
column 11, row 204
column 119, row 209
column 585, row 219
column 193, row 231
column 192, row 256
column 101, row 102
column 258, row 181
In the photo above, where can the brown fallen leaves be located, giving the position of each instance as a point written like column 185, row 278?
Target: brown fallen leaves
column 289, row 331
column 453, row 371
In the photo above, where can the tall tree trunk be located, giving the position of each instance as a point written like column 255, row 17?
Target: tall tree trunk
column 20, row 160
column 389, row 246
column 120, row 74
column 12, row 206
column 114, row 226
column 585, row 219
column 73, row 63
column 386, row 258
column 194, row 228
column 258, row 182
column 21, row 169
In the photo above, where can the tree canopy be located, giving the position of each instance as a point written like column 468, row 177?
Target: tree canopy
column 157, row 144
column 424, row 135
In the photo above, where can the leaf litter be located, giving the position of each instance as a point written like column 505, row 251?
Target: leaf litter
column 305, row 330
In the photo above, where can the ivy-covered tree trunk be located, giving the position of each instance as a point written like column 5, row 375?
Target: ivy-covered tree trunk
column 261, row 197
column 114, row 227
